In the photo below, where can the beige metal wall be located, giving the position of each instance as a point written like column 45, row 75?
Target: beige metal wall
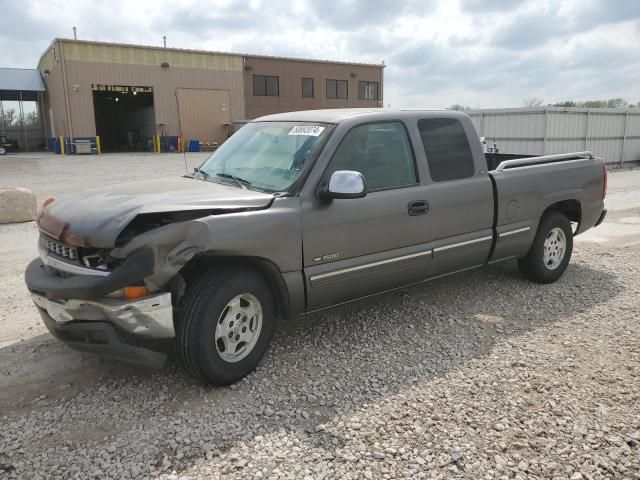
column 88, row 63
column 53, row 97
column 74, row 65
column 204, row 114
column 290, row 74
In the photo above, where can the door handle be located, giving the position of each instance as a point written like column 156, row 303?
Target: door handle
column 418, row 207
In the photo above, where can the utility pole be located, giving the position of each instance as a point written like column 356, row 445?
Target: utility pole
column 75, row 36
column 164, row 41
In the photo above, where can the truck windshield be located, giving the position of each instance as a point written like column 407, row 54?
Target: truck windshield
column 268, row 156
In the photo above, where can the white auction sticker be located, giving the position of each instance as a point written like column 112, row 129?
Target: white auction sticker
column 308, row 130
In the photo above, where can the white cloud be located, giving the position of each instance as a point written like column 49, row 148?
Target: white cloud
column 482, row 53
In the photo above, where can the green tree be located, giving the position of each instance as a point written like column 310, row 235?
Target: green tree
column 566, row 103
column 10, row 119
column 609, row 103
column 31, row 120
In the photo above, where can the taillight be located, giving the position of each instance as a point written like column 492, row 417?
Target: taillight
column 605, row 174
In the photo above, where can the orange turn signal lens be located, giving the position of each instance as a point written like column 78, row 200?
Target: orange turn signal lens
column 135, row 292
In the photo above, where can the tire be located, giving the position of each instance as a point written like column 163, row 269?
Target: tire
column 207, row 329
column 546, row 264
column 3, row 151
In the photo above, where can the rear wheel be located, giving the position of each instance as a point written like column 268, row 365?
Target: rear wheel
column 225, row 325
column 551, row 250
column 3, row 151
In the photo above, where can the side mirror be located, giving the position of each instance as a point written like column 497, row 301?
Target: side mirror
column 344, row 184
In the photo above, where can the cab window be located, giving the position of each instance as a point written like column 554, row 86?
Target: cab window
column 381, row 152
column 447, row 149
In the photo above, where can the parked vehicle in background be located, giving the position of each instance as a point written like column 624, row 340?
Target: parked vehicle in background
column 294, row 213
column 7, row 145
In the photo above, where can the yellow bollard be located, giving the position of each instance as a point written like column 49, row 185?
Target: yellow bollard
column 61, row 145
column 99, row 150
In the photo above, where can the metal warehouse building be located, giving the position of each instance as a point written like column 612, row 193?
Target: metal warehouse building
column 130, row 94
column 613, row 134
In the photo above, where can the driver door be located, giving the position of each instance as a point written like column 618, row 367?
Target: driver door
column 357, row 247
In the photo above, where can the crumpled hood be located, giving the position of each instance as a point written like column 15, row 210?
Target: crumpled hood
column 100, row 215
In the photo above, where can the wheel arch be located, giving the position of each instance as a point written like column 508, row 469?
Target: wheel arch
column 262, row 266
column 571, row 208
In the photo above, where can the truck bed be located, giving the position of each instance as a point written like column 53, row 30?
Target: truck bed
column 526, row 185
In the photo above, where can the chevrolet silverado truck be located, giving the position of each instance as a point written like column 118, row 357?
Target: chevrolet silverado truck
column 297, row 212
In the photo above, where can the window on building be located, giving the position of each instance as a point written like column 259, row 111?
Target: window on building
column 381, row 152
column 265, row 86
column 337, row 89
column 368, row 90
column 447, row 149
column 307, row 87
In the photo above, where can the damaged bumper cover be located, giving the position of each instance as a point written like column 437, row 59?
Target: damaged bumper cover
column 101, row 338
column 75, row 310
column 150, row 317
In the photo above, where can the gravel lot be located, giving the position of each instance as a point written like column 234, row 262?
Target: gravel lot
column 479, row 375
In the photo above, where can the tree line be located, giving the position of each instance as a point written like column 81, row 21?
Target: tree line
column 538, row 103
column 608, row 103
column 11, row 119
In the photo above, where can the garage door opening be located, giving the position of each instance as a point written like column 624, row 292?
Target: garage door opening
column 125, row 117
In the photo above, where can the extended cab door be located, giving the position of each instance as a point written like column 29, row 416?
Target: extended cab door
column 461, row 193
column 356, row 247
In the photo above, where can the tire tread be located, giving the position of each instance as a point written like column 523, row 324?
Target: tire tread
column 193, row 309
column 531, row 265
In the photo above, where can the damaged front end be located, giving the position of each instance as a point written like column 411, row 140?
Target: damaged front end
column 110, row 299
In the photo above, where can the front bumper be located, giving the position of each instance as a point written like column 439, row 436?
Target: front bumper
column 76, row 310
column 101, row 338
column 150, row 317
column 109, row 327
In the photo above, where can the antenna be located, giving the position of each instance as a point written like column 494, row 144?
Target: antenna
column 184, row 154
column 75, row 36
column 164, row 41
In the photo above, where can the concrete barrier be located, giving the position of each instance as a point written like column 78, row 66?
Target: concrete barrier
column 17, row 205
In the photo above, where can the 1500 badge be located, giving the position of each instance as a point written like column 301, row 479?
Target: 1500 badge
column 324, row 258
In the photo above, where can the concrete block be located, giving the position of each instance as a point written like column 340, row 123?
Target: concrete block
column 17, row 205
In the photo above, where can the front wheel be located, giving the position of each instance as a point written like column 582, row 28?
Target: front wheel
column 551, row 250
column 225, row 325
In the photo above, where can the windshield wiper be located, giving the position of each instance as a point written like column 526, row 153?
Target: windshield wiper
column 240, row 181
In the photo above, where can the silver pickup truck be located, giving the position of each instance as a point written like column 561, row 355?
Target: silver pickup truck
column 298, row 212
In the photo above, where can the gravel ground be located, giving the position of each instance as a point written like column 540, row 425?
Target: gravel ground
column 479, row 375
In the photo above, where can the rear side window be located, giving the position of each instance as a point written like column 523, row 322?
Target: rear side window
column 447, row 149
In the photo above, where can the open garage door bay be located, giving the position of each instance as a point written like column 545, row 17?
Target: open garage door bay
column 204, row 114
column 125, row 117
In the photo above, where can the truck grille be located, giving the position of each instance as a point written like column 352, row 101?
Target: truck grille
column 60, row 249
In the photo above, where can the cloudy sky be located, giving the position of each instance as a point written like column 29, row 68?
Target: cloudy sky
column 479, row 53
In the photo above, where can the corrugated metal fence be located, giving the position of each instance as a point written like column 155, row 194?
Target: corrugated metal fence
column 613, row 134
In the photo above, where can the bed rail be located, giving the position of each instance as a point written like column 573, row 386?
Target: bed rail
column 522, row 162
